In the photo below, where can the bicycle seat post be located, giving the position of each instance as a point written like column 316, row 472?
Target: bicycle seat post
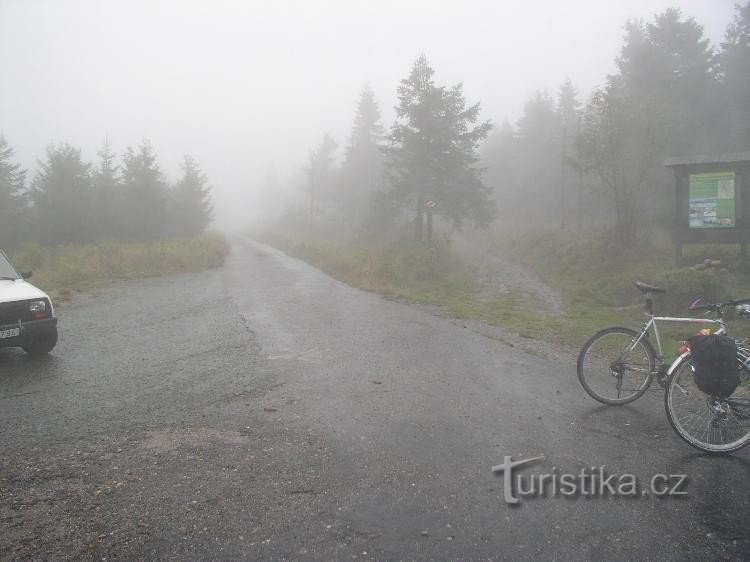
column 647, row 290
column 649, row 303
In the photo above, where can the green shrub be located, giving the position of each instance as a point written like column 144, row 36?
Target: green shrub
column 683, row 286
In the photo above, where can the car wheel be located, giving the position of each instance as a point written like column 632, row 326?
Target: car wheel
column 42, row 344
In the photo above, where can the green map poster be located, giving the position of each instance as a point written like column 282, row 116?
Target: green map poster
column 711, row 200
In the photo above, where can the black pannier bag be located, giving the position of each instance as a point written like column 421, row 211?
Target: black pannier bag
column 715, row 368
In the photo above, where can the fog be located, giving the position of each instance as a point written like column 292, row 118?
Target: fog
column 248, row 88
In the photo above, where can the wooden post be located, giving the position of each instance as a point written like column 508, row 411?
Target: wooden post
column 679, row 217
column 740, row 210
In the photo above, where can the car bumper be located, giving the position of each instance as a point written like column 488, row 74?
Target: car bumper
column 29, row 332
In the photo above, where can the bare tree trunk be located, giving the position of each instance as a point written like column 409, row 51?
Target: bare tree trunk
column 625, row 219
column 419, row 219
column 563, row 150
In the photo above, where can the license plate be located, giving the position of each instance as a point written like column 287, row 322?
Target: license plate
column 12, row 333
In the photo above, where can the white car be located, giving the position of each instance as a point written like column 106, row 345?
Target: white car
column 27, row 319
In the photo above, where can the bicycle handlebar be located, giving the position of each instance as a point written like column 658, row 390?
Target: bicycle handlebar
column 717, row 306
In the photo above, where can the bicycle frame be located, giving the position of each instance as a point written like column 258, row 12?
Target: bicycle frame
column 653, row 326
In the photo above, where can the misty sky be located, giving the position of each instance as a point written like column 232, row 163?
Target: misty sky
column 244, row 86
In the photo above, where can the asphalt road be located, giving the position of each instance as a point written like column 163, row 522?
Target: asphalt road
column 265, row 410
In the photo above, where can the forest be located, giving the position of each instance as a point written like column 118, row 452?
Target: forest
column 70, row 201
column 577, row 161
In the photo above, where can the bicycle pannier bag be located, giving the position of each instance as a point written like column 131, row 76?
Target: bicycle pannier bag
column 715, row 368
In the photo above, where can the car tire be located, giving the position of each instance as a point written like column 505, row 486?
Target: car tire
column 42, row 344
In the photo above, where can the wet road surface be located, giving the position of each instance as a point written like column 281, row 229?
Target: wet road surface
column 266, row 410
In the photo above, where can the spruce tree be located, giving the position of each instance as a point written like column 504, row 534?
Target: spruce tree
column 107, row 195
column 361, row 171
column 61, row 194
column 191, row 200
column 432, row 152
column 144, row 194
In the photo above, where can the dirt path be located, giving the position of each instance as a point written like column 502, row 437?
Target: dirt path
column 501, row 276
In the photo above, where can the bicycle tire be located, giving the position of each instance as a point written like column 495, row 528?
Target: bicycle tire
column 703, row 421
column 601, row 368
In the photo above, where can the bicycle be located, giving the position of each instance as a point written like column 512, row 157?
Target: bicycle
column 617, row 365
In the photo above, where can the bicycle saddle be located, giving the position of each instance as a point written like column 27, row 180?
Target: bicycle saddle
column 646, row 288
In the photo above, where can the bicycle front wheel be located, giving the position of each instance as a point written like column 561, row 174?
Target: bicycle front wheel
column 708, row 423
column 614, row 367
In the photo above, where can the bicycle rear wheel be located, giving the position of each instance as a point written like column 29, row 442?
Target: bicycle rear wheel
column 613, row 368
column 708, row 423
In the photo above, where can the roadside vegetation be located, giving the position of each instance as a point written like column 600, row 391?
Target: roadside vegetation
column 68, row 269
column 596, row 285
column 427, row 274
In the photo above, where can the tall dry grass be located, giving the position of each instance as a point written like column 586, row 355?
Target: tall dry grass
column 73, row 268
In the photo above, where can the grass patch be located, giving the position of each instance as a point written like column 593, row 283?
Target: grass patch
column 64, row 270
column 430, row 275
column 597, row 282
